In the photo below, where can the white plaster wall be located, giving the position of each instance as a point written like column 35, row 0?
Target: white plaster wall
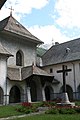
column 72, row 79
column 3, row 73
column 15, row 44
column 22, row 87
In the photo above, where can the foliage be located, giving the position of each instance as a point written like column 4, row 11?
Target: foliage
column 48, row 104
column 52, row 111
column 67, row 111
column 63, row 110
column 26, row 107
column 77, row 103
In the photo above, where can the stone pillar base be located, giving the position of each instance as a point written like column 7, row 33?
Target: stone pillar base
column 65, row 101
column 28, row 94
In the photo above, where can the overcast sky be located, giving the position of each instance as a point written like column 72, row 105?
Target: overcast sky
column 47, row 19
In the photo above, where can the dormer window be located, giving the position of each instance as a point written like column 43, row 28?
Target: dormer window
column 67, row 50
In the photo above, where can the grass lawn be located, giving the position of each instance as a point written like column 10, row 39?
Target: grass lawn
column 10, row 110
column 51, row 117
column 6, row 111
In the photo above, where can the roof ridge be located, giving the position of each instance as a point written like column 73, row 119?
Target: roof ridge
column 10, row 24
column 67, row 42
column 4, row 22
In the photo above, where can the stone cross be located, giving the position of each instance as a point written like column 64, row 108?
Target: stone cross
column 64, row 71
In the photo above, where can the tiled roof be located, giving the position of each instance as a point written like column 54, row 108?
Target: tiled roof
column 22, row 73
column 3, row 51
column 11, row 25
column 61, row 53
column 2, row 3
column 38, row 71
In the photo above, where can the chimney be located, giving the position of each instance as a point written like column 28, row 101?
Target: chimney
column 56, row 43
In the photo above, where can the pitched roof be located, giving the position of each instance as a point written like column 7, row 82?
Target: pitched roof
column 22, row 73
column 2, row 3
column 11, row 25
column 61, row 53
column 3, row 51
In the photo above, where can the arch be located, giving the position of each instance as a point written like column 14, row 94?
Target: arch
column 48, row 92
column 1, row 95
column 15, row 95
column 69, row 91
column 78, row 92
column 33, row 91
column 19, row 58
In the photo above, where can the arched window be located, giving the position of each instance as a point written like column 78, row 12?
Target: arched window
column 19, row 58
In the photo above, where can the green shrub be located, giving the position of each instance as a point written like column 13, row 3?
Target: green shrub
column 63, row 111
column 67, row 111
column 26, row 108
column 77, row 103
column 77, row 110
column 52, row 111
column 48, row 103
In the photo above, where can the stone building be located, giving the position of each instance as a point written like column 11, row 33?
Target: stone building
column 24, row 76
column 67, row 54
column 20, row 79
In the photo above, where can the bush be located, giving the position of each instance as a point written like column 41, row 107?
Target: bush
column 48, row 104
column 26, row 107
column 77, row 110
column 67, row 111
column 62, row 111
column 27, row 104
column 77, row 103
column 52, row 111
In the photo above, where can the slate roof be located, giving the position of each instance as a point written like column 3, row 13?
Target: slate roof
column 11, row 25
column 22, row 73
column 2, row 3
column 3, row 51
column 61, row 53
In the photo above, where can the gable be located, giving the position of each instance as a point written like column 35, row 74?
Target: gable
column 12, row 26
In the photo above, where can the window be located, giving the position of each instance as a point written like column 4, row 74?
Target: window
column 19, row 58
column 51, row 70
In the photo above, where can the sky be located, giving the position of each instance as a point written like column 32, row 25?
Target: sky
column 49, row 20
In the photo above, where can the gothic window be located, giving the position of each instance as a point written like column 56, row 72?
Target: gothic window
column 19, row 58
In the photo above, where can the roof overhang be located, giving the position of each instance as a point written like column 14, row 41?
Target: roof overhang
column 20, row 36
column 22, row 73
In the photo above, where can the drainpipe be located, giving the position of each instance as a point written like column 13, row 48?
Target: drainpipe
column 74, row 79
column 6, row 93
column 6, row 85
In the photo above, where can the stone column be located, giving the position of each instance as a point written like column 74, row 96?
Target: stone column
column 28, row 94
column 6, row 100
column 43, row 94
